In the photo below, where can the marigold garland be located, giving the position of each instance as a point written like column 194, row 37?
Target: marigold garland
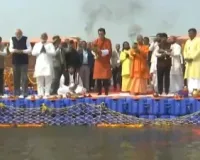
column 8, row 76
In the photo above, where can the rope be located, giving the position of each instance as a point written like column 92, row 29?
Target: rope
column 82, row 114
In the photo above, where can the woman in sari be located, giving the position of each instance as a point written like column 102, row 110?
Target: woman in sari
column 139, row 67
column 126, row 64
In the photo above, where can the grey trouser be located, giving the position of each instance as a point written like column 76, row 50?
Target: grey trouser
column 20, row 72
column 85, row 76
column 58, row 71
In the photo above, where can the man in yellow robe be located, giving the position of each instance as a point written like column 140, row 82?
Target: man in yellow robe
column 192, row 57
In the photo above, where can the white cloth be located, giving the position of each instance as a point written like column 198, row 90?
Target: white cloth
column 63, row 89
column 44, row 85
column 154, row 82
column 153, row 68
column 176, row 73
column 193, row 83
column 4, row 52
column 176, row 83
column 153, row 47
column 176, row 59
column 85, row 57
column 26, row 51
column 104, row 52
column 115, row 59
column 44, row 61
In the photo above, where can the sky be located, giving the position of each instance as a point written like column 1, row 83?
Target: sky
column 71, row 17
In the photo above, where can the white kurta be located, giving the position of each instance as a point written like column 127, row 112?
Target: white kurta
column 43, row 67
column 63, row 89
column 176, row 73
column 153, row 68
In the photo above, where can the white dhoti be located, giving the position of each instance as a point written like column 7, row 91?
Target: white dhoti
column 176, row 83
column 66, row 90
column 153, row 72
column 193, row 83
column 44, row 85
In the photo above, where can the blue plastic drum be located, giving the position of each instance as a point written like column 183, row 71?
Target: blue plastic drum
column 133, row 106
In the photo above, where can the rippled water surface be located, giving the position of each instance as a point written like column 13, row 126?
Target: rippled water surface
column 88, row 143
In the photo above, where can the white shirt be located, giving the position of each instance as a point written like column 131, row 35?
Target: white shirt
column 71, row 80
column 85, row 57
column 177, row 59
column 26, row 51
column 152, row 48
column 44, row 61
column 114, row 61
column 4, row 52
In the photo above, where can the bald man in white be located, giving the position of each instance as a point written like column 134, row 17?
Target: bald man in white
column 20, row 48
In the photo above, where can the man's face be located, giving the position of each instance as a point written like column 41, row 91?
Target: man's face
column 101, row 34
column 117, row 47
column 146, row 41
column 171, row 40
column 70, row 45
column 164, row 39
column 57, row 42
column 140, row 39
column 192, row 34
column 44, row 38
column 71, row 70
column 89, row 45
column 66, row 41
column 158, row 38
column 84, row 44
column 18, row 34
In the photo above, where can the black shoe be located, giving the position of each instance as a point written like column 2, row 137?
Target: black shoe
column 106, row 92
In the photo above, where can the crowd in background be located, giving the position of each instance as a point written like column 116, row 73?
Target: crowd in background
column 62, row 69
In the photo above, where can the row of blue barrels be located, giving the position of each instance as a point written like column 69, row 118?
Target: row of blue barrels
column 130, row 106
column 31, row 91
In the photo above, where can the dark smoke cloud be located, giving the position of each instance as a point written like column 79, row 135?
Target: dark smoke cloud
column 134, row 30
column 127, row 12
column 115, row 11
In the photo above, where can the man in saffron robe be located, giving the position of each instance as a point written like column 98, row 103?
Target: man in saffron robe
column 139, row 68
column 192, row 57
column 102, row 48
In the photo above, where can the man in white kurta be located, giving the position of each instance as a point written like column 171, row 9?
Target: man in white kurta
column 192, row 57
column 43, row 67
column 176, row 73
column 153, row 68
column 74, row 84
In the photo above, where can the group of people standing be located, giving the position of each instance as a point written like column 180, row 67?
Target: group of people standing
column 162, row 64
column 62, row 69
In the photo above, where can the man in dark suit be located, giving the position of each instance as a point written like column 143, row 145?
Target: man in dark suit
column 164, row 62
column 87, row 61
column 58, row 63
column 20, row 48
column 72, row 57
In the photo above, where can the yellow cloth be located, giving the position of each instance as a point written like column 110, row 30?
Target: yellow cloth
column 192, row 51
column 126, row 62
column 126, row 83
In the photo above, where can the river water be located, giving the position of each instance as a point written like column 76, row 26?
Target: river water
column 90, row 143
